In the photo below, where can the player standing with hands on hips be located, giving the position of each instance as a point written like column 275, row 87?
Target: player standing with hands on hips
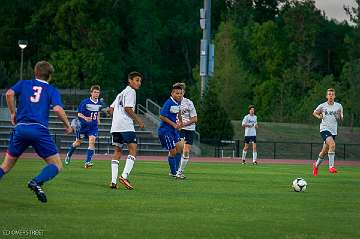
column 329, row 112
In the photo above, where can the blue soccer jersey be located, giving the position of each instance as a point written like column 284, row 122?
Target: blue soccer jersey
column 35, row 99
column 89, row 108
column 170, row 110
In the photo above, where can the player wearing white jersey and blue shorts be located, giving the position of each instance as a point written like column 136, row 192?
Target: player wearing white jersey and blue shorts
column 123, row 130
column 329, row 112
column 250, row 124
column 189, row 118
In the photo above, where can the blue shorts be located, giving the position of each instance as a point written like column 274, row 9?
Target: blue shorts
column 325, row 134
column 120, row 138
column 85, row 132
column 187, row 135
column 35, row 135
column 250, row 139
column 168, row 138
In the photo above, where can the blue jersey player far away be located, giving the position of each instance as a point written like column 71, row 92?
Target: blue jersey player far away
column 88, row 115
column 30, row 120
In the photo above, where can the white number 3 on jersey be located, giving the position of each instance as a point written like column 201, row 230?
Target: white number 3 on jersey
column 37, row 92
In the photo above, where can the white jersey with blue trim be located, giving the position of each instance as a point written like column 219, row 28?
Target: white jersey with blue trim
column 121, row 121
column 330, row 113
column 250, row 120
column 187, row 112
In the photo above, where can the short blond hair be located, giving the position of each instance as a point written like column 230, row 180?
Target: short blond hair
column 180, row 84
column 331, row 89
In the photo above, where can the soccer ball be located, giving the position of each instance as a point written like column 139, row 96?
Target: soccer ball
column 299, row 185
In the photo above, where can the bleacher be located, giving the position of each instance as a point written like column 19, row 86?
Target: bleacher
column 148, row 143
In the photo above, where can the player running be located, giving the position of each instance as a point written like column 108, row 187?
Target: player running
column 31, row 125
column 89, row 117
column 329, row 112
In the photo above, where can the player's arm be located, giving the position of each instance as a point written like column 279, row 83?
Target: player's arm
column 10, row 100
column 87, row 119
column 191, row 121
column 134, row 116
column 317, row 114
column 168, row 121
column 59, row 111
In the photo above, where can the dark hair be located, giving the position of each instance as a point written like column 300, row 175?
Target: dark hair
column 176, row 87
column 182, row 85
column 94, row 87
column 133, row 74
column 43, row 70
column 251, row 106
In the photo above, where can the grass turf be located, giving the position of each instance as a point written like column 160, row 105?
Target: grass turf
column 216, row 201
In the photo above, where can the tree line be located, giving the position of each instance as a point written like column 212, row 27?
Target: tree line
column 280, row 55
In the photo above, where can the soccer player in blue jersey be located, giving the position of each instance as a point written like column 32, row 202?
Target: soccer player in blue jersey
column 88, row 115
column 30, row 121
column 170, row 125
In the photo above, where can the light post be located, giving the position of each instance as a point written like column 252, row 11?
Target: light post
column 22, row 44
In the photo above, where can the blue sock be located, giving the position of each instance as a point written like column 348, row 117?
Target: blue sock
column 47, row 173
column 177, row 160
column 71, row 151
column 2, row 173
column 172, row 164
column 89, row 155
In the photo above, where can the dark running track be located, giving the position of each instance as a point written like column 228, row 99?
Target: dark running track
column 199, row 159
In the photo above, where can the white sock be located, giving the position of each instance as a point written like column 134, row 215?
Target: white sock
column 114, row 170
column 128, row 166
column 183, row 163
column 331, row 156
column 319, row 161
column 254, row 156
column 244, row 155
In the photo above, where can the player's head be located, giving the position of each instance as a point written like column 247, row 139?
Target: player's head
column 95, row 92
column 134, row 79
column 43, row 70
column 177, row 92
column 330, row 94
column 251, row 109
column 182, row 85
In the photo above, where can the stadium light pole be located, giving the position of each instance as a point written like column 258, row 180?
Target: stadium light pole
column 205, row 24
column 22, row 44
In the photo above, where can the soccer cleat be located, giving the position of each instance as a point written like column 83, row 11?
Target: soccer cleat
column 88, row 165
column 332, row 170
column 113, row 186
column 172, row 175
column 315, row 170
column 243, row 162
column 67, row 159
column 35, row 187
column 126, row 183
column 180, row 175
column 255, row 163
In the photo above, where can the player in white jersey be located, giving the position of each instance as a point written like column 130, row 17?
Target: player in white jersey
column 189, row 119
column 250, row 124
column 123, row 130
column 329, row 112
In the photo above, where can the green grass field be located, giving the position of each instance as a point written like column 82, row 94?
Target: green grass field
column 216, row 201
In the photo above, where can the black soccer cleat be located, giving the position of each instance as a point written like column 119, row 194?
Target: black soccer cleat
column 35, row 187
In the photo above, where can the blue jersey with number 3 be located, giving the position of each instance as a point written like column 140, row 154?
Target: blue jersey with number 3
column 35, row 99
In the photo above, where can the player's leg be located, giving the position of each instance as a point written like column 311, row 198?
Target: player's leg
column 90, row 152
column 129, row 164
column 331, row 154
column 167, row 142
column 244, row 152
column 115, row 166
column 254, row 153
column 7, row 164
column 179, row 147
column 71, row 150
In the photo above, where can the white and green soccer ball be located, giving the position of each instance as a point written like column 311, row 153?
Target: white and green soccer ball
column 299, row 185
